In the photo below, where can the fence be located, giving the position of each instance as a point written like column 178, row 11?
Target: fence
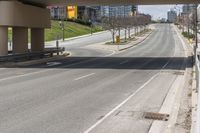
column 197, row 65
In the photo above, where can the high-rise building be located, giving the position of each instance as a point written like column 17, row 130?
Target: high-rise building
column 188, row 8
column 58, row 12
column 91, row 13
column 72, row 12
column 86, row 13
column 172, row 16
column 118, row 11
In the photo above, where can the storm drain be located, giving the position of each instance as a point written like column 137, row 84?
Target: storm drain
column 178, row 73
column 156, row 116
column 174, row 72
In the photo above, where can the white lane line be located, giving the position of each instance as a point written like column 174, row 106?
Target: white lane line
column 124, row 62
column 23, row 75
column 37, row 72
column 49, row 64
column 82, row 77
column 120, row 105
column 127, row 99
column 3, row 68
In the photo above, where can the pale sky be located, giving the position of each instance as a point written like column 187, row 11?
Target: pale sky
column 156, row 11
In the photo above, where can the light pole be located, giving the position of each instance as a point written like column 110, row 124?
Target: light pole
column 91, row 26
column 196, row 29
column 62, row 26
column 179, row 14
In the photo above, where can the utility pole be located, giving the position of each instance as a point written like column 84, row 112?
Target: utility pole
column 63, row 30
column 125, row 23
column 62, row 24
column 196, row 31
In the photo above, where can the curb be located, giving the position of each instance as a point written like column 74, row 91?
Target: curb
column 171, row 103
column 194, row 101
column 77, row 37
column 168, row 106
column 35, row 62
column 137, row 42
column 194, row 92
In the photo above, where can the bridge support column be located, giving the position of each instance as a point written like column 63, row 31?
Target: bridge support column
column 20, row 40
column 37, row 39
column 14, row 13
column 3, row 40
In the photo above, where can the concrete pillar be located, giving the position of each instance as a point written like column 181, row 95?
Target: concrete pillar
column 20, row 40
column 37, row 39
column 3, row 40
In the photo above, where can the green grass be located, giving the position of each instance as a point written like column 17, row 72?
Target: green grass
column 189, row 36
column 72, row 29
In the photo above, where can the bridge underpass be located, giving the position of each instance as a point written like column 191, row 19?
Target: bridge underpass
column 58, row 100
column 22, row 15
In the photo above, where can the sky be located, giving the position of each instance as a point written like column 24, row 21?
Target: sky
column 156, row 11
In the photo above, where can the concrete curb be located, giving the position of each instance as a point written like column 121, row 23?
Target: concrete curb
column 77, row 37
column 137, row 42
column 194, row 91
column 171, row 103
column 194, row 101
column 168, row 106
column 35, row 62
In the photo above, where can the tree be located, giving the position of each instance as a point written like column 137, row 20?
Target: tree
column 111, row 24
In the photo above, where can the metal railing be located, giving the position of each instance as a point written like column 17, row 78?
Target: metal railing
column 197, row 65
column 48, row 52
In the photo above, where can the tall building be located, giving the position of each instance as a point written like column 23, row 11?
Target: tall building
column 86, row 13
column 171, row 16
column 72, row 12
column 118, row 11
column 58, row 12
column 188, row 8
column 91, row 13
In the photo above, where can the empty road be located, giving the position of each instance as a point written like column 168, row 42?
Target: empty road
column 73, row 95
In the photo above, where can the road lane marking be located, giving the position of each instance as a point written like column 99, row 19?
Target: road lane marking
column 124, row 62
column 120, row 105
column 127, row 99
column 38, row 72
column 49, row 64
column 82, row 77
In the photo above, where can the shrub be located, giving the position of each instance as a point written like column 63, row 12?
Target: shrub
column 189, row 36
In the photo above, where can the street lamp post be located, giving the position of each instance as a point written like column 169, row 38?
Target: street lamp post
column 196, row 29
column 179, row 14
column 91, row 26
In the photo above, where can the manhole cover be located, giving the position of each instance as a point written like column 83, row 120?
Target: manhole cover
column 156, row 116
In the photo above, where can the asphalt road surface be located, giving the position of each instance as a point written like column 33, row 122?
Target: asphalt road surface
column 74, row 94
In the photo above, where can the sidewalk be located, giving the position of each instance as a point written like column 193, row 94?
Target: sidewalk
column 53, row 43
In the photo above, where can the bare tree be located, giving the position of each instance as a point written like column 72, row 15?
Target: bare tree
column 119, row 25
column 114, row 24
column 110, row 23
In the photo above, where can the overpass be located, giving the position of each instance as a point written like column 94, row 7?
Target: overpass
column 22, row 15
column 108, row 2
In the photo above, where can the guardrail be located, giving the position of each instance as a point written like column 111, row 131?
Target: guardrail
column 197, row 65
column 31, row 55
